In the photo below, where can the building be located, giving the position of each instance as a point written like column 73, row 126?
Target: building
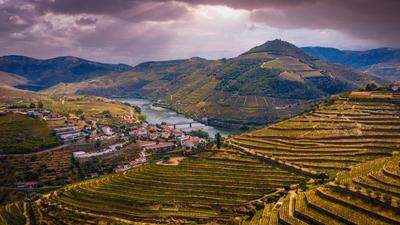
column 191, row 142
column 54, row 117
column 71, row 137
column 140, row 133
column 156, row 146
column 33, row 114
column 177, row 133
column 107, row 131
column 27, row 185
column 395, row 86
column 79, row 154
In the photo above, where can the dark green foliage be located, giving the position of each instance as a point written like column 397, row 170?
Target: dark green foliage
column 218, row 140
column 371, row 87
column 200, row 134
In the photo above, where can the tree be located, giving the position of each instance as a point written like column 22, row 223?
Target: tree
column 82, row 117
column 40, row 105
column 141, row 117
column 218, row 140
column 371, row 87
column 32, row 105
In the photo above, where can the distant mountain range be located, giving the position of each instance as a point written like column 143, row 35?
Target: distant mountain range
column 269, row 82
column 383, row 62
column 46, row 73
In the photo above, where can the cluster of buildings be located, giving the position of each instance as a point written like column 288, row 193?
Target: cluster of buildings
column 69, row 134
column 109, row 150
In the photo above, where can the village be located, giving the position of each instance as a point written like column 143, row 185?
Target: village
column 94, row 139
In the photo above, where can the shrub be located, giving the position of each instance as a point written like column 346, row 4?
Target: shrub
column 387, row 197
column 142, row 117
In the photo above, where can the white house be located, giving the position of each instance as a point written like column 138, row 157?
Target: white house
column 107, row 131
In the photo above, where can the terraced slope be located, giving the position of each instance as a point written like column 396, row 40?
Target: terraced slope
column 348, row 130
column 350, row 204
column 208, row 187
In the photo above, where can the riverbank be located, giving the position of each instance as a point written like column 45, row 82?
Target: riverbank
column 158, row 113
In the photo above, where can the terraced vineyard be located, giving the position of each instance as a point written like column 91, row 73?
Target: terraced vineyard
column 339, row 204
column 212, row 186
column 352, row 129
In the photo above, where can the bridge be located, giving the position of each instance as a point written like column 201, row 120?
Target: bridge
column 188, row 125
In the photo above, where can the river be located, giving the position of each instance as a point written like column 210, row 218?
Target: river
column 157, row 115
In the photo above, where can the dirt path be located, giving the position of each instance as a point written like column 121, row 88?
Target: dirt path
column 171, row 162
column 43, row 151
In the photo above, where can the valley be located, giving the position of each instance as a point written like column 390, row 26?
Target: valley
column 273, row 136
column 298, row 171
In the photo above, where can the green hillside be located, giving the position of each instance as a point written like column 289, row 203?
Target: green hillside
column 374, row 201
column 22, row 134
column 273, row 81
column 210, row 187
column 347, row 130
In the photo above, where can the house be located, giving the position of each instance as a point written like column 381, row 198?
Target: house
column 27, row 185
column 191, row 142
column 107, row 130
column 141, row 133
column 54, row 117
column 94, row 175
column 71, row 137
column 153, row 135
column 79, row 154
column 165, row 135
column 395, row 86
column 177, row 133
column 33, row 114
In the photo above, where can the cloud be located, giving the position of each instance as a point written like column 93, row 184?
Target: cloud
column 132, row 31
column 86, row 21
column 365, row 19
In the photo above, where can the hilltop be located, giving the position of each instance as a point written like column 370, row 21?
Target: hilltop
column 382, row 62
column 48, row 72
column 267, row 83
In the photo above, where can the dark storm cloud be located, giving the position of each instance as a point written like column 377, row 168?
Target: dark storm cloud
column 86, row 21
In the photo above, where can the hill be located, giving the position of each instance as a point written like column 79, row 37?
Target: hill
column 367, row 194
column 45, row 73
column 383, row 62
column 273, row 81
column 11, row 79
column 348, row 130
column 22, row 134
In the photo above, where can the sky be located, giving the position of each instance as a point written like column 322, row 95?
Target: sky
column 134, row 31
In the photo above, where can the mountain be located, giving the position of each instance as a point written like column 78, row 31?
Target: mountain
column 267, row 83
column 10, row 79
column 45, row 73
column 383, row 62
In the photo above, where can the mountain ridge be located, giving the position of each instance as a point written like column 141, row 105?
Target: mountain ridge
column 383, row 62
column 260, row 86
column 44, row 73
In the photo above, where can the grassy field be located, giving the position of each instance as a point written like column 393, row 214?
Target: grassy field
column 22, row 134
